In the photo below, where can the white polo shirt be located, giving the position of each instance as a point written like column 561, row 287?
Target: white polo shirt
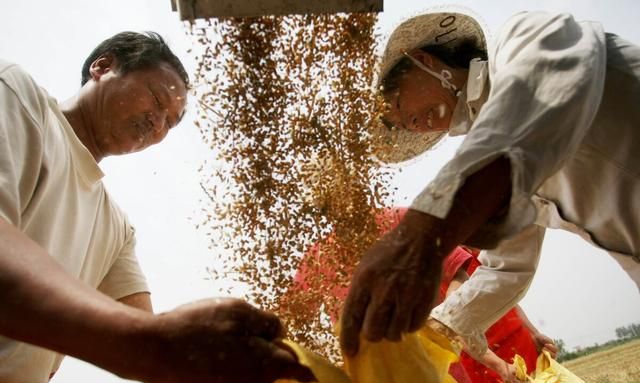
column 559, row 98
column 51, row 189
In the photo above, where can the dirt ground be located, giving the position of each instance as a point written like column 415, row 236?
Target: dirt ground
column 616, row 365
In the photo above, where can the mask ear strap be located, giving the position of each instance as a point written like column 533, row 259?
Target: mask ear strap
column 444, row 77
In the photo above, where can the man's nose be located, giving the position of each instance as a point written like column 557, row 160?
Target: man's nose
column 412, row 123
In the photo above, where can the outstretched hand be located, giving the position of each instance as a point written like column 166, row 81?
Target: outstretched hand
column 394, row 286
column 222, row 340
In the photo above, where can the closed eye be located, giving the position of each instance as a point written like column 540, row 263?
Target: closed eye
column 157, row 100
column 159, row 105
column 162, row 92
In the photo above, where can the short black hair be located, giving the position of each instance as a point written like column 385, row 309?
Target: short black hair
column 134, row 51
column 455, row 56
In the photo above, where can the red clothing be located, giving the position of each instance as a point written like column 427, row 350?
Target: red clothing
column 386, row 221
column 507, row 337
column 459, row 258
column 316, row 262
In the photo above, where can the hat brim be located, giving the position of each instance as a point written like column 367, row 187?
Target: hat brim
column 400, row 145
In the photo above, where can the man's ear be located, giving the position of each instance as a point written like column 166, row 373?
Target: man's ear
column 101, row 66
column 423, row 57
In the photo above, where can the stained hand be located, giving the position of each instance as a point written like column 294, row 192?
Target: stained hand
column 224, row 340
column 394, row 286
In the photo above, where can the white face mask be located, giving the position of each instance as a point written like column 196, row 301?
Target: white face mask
column 444, row 76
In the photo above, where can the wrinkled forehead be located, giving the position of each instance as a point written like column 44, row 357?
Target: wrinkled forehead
column 169, row 81
column 159, row 72
column 169, row 74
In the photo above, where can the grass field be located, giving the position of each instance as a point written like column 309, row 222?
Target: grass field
column 620, row 364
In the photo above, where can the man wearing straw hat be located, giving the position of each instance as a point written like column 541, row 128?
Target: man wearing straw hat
column 551, row 126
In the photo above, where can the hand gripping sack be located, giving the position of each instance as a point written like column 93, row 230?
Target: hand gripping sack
column 547, row 370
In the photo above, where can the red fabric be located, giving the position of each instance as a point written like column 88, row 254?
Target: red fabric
column 300, row 279
column 518, row 342
column 459, row 258
column 506, row 337
column 459, row 373
column 386, row 221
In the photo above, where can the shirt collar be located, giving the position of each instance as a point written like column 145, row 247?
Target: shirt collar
column 474, row 94
column 83, row 160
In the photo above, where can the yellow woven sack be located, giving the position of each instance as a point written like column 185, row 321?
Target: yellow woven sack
column 424, row 356
column 441, row 351
column 547, row 371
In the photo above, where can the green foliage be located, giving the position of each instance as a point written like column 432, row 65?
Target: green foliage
column 628, row 332
column 624, row 334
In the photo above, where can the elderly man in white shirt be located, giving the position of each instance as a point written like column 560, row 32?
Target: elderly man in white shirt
column 69, row 278
column 552, row 133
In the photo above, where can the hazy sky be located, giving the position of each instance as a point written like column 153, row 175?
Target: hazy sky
column 579, row 294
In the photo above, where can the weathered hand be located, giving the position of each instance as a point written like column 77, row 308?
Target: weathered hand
column 394, row 286
column 221, row 340
column 543, row 342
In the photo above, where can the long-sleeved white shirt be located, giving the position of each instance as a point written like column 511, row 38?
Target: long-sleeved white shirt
column 559, row 99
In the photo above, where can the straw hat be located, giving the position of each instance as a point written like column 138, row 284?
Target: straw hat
column 438, row 28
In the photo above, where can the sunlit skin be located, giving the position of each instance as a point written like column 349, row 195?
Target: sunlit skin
column 421, row 103
column 117, row 113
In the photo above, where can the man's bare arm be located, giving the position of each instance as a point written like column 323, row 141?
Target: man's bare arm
column 44, row 305
column 140, row 301
column 207, row 341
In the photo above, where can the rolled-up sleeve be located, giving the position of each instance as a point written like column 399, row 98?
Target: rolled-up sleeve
column 547, row 77
column 493, row 289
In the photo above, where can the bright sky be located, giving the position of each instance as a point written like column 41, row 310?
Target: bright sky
column 579, row 294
